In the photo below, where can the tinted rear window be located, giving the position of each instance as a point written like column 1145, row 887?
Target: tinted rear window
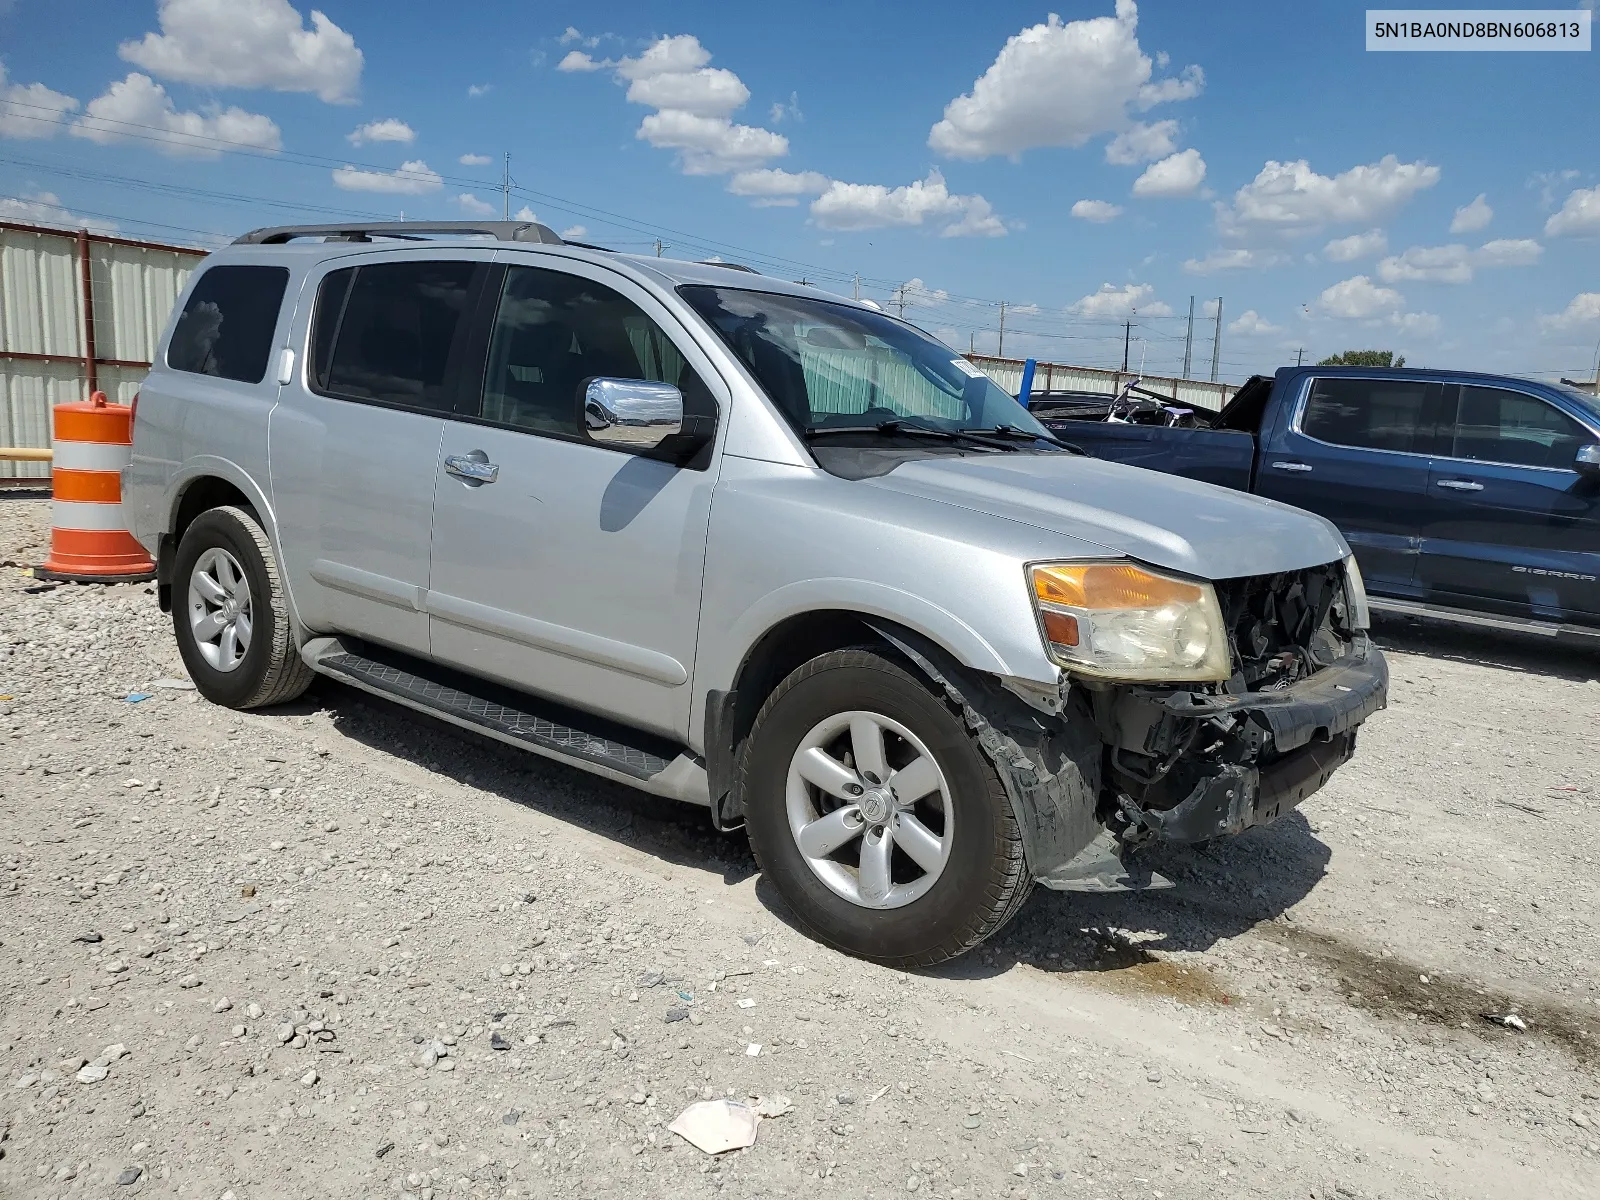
column 1374, row 414
column 384, row 332
column 226, row 327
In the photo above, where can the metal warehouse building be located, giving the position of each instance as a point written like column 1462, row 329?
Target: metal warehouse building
column 79, row 311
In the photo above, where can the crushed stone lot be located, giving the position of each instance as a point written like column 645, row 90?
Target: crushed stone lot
column 339, row 950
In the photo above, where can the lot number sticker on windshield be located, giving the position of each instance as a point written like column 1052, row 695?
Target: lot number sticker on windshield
column 966, row 368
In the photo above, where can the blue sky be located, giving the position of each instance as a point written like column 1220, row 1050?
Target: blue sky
column 1098, row 165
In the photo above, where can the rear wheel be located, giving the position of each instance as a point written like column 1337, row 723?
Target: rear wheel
column 230, row 615
column 876, row 816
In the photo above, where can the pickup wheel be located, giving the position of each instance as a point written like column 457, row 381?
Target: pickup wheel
column 876, row 816
column 230, row 615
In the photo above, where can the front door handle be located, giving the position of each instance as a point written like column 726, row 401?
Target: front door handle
column 1461, row 485
column 472, row 468
column 1291, row 466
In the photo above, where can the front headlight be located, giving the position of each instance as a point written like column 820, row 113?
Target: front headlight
column 1355, row 595
column 1120, row 621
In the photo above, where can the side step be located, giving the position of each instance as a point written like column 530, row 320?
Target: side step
column 1460, row 616
column 551, row 730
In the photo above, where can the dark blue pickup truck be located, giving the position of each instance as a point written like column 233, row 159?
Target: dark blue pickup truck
column 1471, row 497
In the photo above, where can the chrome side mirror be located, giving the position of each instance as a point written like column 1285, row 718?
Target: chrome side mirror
column 1588, row 460
column 631, row 414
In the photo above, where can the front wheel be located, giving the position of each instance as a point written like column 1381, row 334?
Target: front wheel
column 876, row 816
column 230, row 614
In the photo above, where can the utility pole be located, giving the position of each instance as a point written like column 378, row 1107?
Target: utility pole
column 1188, row 340
column 658, row 247
column 1300, row 356
column 1000, row 351
column 1127, row 331
column 505, row 187
column 1216, row 342
column 900, row 300
column 972, row 341
column 856, row 291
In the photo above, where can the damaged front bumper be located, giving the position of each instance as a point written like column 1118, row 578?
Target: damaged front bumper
column 1189, row 766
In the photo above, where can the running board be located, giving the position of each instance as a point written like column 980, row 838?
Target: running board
column 511, row 717
column 1461, row 616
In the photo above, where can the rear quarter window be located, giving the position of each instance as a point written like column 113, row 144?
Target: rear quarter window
column 226, row 327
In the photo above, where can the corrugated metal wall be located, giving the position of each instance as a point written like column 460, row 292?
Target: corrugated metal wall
column 1062, row 377
column 134, row 286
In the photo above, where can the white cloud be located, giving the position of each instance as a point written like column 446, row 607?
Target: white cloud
column 1548, row 181
column 1472, row 217
column 412, row 178
column 770, row 187
column 1455, row 263
column 570, row 37
column 1180, row 174
column 578, row 61
column 1251, row 324
column 31, row 110
column 1420, row 324
column 1509, row 252
column 1358, row 298
column 474, row 90
column 389, row 129
column 1292, row 198
column 1580, row 214
column 1058, row 84
column 525, row 214
column 786, row 111
column 573, row 232
column 1141, row 143
column 138, row 109
column 45, row 208
column 474, row 160
column 915, row 291
column 1233, row 259
column 710, row 145
column 1357, row 245
column 1098, row 211
column 471, row 205
column 1583, row 309
column 1126, row 301
column 927, row 201
column 249, row 44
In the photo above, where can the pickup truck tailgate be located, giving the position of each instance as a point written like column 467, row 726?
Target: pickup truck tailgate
column 1221, row 456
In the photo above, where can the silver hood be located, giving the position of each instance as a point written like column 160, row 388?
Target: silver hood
column 1199, row 529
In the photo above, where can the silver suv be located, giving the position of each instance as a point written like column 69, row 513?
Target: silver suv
column 740, row 543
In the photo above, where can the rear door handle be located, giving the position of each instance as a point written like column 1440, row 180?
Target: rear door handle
column 1461, row 485
column 1291, row 466
column 473, row 468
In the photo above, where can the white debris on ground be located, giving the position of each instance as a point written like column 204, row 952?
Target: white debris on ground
column 337, row 950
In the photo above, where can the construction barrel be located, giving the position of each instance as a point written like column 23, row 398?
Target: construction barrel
column 89, row 538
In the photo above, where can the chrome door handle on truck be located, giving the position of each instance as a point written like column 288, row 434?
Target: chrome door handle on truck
column 1291, row 466
column 470, row 468
column 1461, row 485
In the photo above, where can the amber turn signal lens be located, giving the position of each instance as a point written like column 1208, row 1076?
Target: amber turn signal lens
column 1109, row 586
column 1060, row 628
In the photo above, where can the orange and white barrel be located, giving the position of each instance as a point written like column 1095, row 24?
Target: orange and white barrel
column 89, row 538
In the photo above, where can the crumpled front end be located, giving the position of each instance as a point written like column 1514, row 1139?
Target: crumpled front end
column 1187, row 764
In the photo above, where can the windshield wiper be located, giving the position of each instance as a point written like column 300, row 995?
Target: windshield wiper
column 902, row 429
column 1012, row 431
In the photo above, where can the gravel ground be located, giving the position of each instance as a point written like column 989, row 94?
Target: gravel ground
column 339, row 950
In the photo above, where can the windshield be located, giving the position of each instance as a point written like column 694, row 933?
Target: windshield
column 832, row 366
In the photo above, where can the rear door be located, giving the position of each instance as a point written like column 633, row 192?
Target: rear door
column 355, row 439
column 1355, row 450
column 1509, row 519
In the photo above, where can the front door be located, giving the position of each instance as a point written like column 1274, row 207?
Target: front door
column 355, row 442
column 1509, row 518
column 576, row 571
column 1355, row 451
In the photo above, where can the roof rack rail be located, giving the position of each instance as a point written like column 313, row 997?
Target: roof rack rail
column 365, row 231
column 731, row 266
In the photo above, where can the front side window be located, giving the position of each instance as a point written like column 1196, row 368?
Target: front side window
column 828, row 365
column 383, row 332
column 554, row 331
column 1498, row 425
column 226, row 326
column 1370, row 414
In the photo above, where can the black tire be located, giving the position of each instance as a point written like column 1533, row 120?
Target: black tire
column 271, row 671
column 986, row 878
